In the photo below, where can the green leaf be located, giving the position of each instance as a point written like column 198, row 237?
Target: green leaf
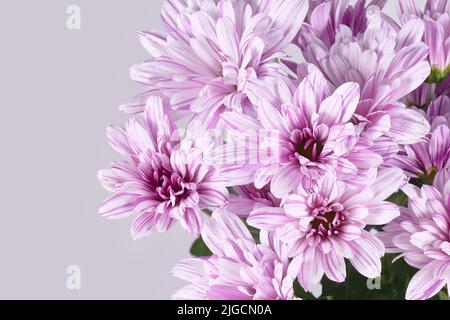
column 254, row 232
column 199, row 249
column 208, row 212
column 428, row 177
column 399, row 198
column 443, row 295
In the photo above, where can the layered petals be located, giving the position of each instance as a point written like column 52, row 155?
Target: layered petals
column 161, row 182
column 421, row 236
column 324, row 227
column 239, row 269
column 212, row 48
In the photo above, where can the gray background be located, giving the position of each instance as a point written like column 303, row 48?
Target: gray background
column 59, row 91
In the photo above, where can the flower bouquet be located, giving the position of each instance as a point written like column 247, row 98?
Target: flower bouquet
column 306, row 145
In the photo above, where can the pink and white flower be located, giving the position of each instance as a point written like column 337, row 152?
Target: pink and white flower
column 436, row 24
column 436, row 18
column 161, row 182
column 372, row 53
column 422, row 236
column 363, row 46
column 239, row 269
column 312, row 151
column 327, row 226
column 325, row 17
column 310, row 131
column 424, row 159
column 212, row 48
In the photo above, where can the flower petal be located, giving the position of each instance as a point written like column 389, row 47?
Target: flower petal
column 268, row 218
column 367, row 252
column 424, row 284
column 334, row 266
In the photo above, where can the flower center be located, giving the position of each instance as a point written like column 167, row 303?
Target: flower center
column 309, row 149
column 171, row 187
column 327, row 221
column 305, row 145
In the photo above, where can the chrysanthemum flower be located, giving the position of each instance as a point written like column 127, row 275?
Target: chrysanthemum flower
column 239, row 269
column 372, row 53
column 313, row 133
column 161, row 182
column 422, row 235
column 344, row 13
column 363, row 46
column 326, row 16
column 327, row 226
column 424, row 159
column 436, row 18
column 213, row 47
column 311, row 151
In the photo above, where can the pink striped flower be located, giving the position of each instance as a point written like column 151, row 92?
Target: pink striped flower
column 311, row 133
column 239, row 269
column 360, row 45
column 422, row 236
column 344, row 13
column 327, row 226
column 436, row 18
column 326, row 17
column 425, row 159
column 365, row 46
column 162, row 182
column 212, row 48
column 436, row 22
